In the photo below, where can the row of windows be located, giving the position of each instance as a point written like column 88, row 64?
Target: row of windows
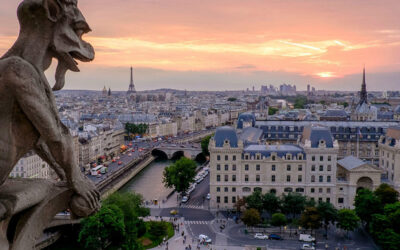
column 226, row 157
column 273, row 178
column 273, row 167
column 273, row 157
column 321, row 158
column 321, row 168
column 233, row 199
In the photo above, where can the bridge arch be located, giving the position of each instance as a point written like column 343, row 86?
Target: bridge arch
column 159, row 154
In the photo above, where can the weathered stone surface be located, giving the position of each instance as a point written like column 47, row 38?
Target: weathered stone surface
column 29, row 119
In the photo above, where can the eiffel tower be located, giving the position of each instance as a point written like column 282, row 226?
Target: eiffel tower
column 131, row 89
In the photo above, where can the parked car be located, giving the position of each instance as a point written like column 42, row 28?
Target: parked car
column 307, row 247
column 261, row 236
column 185, row 199
column 113, row 160
column 306, row 238
column 120, row 163
column 208, row 196
column 204, row 238
column 275, row 237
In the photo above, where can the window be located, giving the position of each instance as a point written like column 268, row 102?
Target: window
column 226, row 167
column 321, row 178
column 246, row 157
column 226, row 178
column 233, row 177
column 340, row 200
column 288, row 178
column 218, row 177
column 329, row 168
column 321, row 168
column 273, row 178
column 312, row 178
column 246, row 178
column 226, row 199
column 258, row 167
column 319, row 190
column 233, row 189
column 233, row 199
column 313, row 158
column 328, row 200
column 313, row 168
column 272, row 191
column 273, row 157
column 218, row 167
column 226, row 157
column 234, row 158
column 218, row 157
column 226, row 189
column 312, row 190
column 300, row 168
column 258, row 189
column 328, row 190
column 299, row 190
column 257, row 156
column 319, row 200
column 234, row 167
column 288, row 167
column 329, row 158
column 299, row 178
column 246, row 167
column 273, row 168
column 257, row 178
column 300, row 157
column 328, row 178
column 246, row 189
column 288, row 189
column 218, row 189
column 321, row 158
column 218, row 199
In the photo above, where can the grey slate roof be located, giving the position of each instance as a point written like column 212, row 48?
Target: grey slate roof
column 315, row 134
column 350, row 162
column 335, row 113
column 251, row 135
column 226, row 133
column 246, row 117
column 281, row 150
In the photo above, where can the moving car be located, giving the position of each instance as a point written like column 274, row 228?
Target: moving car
column 306, row 238
column 120, row 163
column 173, row 212
column 129, row 154
column 208, row 196
column 275, row 237
column 204, row 238
column 261, row 236
column 113, row 160
column 307, row 247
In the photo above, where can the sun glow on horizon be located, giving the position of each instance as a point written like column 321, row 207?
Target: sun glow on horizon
column 326, row 74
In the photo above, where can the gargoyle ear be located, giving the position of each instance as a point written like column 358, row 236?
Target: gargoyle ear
column 53, row 9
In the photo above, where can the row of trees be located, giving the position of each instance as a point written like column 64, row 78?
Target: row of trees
column 296, row 210
column 136, row 129
column 117, row 223
column 380, row 214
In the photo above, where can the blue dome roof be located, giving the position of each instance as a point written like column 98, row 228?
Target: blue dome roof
column 246, row 117
column 226, row 133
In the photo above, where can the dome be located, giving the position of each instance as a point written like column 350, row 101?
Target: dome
column 246, row 118
column 226, row 133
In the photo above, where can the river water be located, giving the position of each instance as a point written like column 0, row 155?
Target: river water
column 149, row 182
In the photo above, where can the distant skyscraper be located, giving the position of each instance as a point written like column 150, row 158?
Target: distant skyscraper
column 131, row 89
column 308, row 88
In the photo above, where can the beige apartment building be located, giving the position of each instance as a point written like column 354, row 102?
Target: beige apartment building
column 239, row 166
column 389, row 156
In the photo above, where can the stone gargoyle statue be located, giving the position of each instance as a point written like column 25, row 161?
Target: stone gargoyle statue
column 29, row 120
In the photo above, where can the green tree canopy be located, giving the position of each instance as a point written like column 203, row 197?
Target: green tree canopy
column 180, row 174
column 293, row 204
column 204, row 145
column 232, row 99
column 240, row 203
column 347, row 219
column 366, row 204
column 104, row 228
column 278, row 220
column 271, row 203
column 272, row 110
column 310, row 218
column 255, row 201
column 251, row 217
column 328, row 214
column 386, row 194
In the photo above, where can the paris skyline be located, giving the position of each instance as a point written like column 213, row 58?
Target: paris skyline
column 232, row 45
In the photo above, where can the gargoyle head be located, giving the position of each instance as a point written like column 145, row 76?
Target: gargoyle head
column 66, row 24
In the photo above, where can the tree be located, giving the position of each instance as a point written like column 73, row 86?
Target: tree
column 386, row 194
column 310, row 218
column 157, row 229
column 103, row 229
column 180, row 174
column 271, row 203
column 328, row 214
column 272, row 111
column 255, row 201
column 251, row 217
column 232, row 99
column 389, row 239
column 392, row 211
column 293, row 204
column 366, row 204
column 347, row 219
column 204, row 145
column 300, row 102
column 239, row 204
column 278, row 220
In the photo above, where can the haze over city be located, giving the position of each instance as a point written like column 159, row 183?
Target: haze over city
column 224, row 45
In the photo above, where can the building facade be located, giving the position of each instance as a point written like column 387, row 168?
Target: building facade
column 389, row 156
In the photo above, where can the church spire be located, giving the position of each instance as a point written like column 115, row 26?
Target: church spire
column 363, row 93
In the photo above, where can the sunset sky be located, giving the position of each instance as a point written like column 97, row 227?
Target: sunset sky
column 234, row 44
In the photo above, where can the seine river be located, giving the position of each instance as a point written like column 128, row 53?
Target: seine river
column 149, row 182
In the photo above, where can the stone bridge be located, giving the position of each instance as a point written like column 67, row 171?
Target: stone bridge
column 170, row 151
